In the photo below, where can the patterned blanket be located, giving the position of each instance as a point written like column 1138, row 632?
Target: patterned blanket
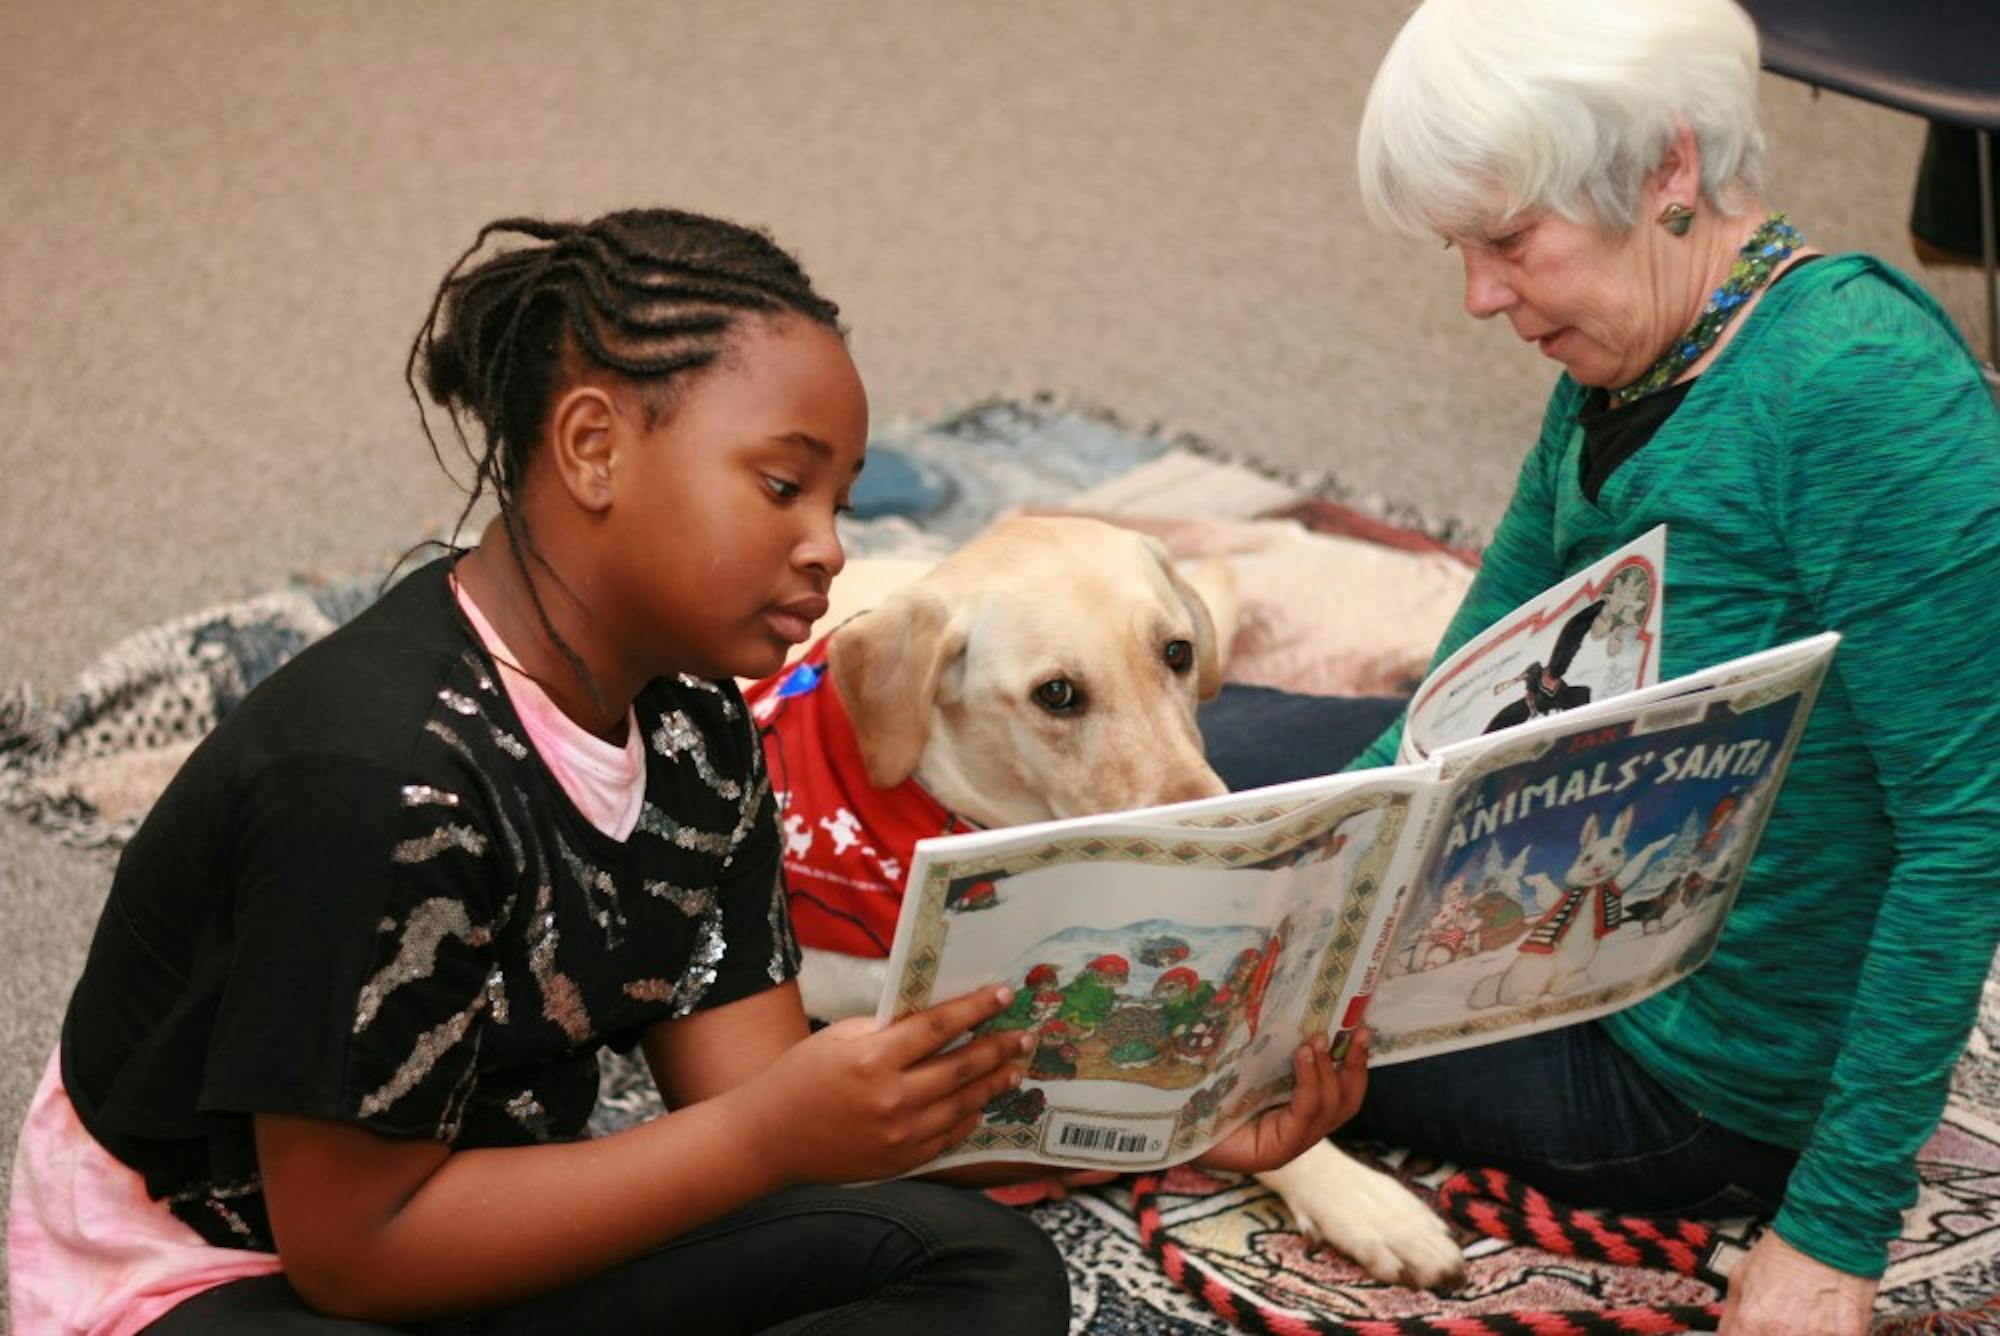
column 86, row 765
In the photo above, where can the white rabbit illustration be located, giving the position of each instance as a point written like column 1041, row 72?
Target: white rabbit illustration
column 1556, row 955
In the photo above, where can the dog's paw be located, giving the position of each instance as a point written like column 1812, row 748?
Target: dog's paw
column 1370, row 1217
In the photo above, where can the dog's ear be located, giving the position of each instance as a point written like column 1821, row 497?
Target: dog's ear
column 1208, row 650
column 886, row 664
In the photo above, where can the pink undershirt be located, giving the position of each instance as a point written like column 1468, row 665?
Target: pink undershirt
column 88, row 1251
column 606, row 782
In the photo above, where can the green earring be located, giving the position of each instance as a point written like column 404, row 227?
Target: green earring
column 1677, row 219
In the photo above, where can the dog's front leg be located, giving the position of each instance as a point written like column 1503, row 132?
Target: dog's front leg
column 1369, row 1216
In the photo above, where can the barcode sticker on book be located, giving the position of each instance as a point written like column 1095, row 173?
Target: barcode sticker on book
column 1118, row 1140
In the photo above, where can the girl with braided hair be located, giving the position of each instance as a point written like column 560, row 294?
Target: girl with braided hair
column 330, row 1061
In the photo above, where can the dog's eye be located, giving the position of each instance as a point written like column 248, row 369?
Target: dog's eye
column 1058, row 695
column 1179, row 655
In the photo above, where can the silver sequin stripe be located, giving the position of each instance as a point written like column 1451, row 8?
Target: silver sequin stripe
column 600, row 891
column 424, row 1055
column 684, row 996
column 423, row 848
column 562, row 1000
column 423, row 932
column 217, row 1196
column 784, row 962
column 693, row 901
column 460, row 703
column 526, row 1110
column 655, row 822
column 457, row 745
column 746, row 816
column 715, row 689
column 677, row 736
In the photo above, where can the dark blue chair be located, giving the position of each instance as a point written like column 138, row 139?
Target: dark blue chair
column 1939, row 59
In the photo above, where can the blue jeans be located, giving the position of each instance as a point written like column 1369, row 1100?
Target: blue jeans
column 1257, row 736
column 1567, row 1111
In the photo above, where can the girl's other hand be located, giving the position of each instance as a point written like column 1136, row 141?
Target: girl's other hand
column 853, row 1103
column 1323, row 1097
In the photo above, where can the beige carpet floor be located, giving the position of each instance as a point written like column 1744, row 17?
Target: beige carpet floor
column 223, row 219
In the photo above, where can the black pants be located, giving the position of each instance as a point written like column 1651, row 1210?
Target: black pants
column 892, row 1258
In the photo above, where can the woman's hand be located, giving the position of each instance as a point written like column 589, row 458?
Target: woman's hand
column 1323, row 1097
column 853, row 1103
column 1779, row 1291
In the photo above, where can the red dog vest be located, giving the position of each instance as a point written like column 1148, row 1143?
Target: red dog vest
column 847, row 843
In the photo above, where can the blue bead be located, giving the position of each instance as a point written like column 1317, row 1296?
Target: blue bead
column 801, row 680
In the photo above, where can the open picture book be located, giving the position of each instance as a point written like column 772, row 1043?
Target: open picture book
column 1564, row 837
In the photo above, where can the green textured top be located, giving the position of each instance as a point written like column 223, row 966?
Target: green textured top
column 1836, row 467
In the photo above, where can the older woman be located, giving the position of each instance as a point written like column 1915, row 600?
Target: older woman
column 1819, row 440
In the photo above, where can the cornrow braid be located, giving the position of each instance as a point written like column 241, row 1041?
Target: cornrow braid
column 648, row 294
column 651, row 296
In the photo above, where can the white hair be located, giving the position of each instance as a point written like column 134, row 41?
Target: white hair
column 1484, row 108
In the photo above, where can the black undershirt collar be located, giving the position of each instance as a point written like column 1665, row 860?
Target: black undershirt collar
column 1613, row 435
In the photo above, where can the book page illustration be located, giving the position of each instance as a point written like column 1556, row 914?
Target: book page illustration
column 1594, row 636
column 1167, row 975
column 1579, row 871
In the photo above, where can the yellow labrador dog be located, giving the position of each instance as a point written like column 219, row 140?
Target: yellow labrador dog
column 1049, row 668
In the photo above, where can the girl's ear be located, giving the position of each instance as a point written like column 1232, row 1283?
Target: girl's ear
column 581, row 445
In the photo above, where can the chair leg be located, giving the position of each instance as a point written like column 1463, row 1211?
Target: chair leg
column 1990, row 253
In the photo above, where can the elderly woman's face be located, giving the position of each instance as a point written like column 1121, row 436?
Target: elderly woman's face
column 1585, row 299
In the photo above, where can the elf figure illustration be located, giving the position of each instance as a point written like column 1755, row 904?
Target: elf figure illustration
column 1726, row 820
column 1088, row 998
column 1054, row 1058
column 1029, row 1007
column 1023, row 1106
column 1452, row 932
column 1182, row 997
column 1200, row 1040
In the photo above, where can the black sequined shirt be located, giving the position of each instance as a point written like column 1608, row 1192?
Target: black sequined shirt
column 364, row 898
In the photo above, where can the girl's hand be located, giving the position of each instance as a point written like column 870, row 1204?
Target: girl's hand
column 1323, row 1097
column 853, row 1103
column 1779, row 1291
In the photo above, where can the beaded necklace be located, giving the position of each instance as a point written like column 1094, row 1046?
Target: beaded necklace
column 1768, row 247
